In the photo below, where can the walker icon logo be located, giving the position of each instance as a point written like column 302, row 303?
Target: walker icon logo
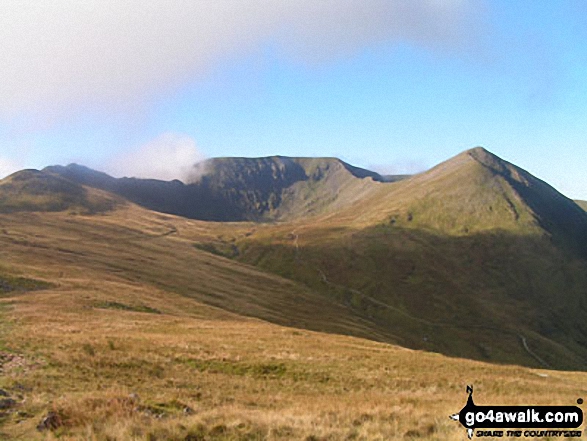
column 474, row 417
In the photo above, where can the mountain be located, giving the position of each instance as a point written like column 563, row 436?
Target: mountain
column 240, row 189
column 33, row 190
column 474, row 192
column 473, row 258
column 470, row 258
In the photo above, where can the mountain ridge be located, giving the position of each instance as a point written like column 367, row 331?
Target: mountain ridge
column 471, row 192
column 238, row 189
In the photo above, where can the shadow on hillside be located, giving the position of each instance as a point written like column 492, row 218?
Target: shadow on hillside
column 493, row 296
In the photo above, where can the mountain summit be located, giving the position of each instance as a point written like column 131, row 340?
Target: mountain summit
column 472, row 192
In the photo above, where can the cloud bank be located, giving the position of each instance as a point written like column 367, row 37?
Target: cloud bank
column 60, row 56
column 167, row 157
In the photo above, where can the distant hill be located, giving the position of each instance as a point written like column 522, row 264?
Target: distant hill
column 33, row 190
column 239, row 189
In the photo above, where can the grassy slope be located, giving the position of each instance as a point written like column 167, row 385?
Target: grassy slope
column 472, row 192
column 142, row 246
column 457, row 260
column 118, row 347
column 455, row 296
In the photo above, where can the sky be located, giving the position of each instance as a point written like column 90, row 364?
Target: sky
column 146, row 89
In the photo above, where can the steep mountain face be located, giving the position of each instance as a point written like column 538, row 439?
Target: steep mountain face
column 33, row 190
column 238, row 189
column 556, row 214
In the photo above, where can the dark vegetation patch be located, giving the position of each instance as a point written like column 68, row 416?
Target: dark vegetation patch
column 124, row 307
column 209, row 432
column 21, row 284
column 162, row 409
column 220, row 249
column 258, row 370
column 269, row 370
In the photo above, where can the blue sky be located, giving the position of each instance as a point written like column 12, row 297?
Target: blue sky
column 396, row 86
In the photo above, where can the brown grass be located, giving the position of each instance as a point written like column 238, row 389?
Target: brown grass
column 239, row 378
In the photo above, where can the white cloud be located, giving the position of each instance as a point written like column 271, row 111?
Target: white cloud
column 7, row 167
column 167, row 157
column 60, row 56
column 401, row 167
